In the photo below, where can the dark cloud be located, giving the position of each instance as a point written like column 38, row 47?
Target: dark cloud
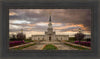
column 64, row 16
column 74, row 29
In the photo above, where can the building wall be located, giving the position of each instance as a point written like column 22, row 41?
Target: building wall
column 53, row 37
column 37, row 37
column 62, row 37
column 47, row 37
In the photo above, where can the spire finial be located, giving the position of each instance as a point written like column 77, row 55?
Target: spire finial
column 50, row 19
column 80, row 30
column 21, row 30
column 50, row 16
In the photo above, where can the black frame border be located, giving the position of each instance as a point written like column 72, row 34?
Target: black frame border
column 48, row 5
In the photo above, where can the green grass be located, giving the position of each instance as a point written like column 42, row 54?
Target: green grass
column 50, row 47
column 72, row 40
column 19, row 48
column 77, row 47
column 27, row 41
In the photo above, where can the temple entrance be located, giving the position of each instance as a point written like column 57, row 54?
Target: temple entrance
column 49, row 38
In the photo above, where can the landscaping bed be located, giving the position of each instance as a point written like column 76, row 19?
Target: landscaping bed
column 27, row 41
column 22, row 47
column 77, row 47
column 83, row 43
column 50, row 47
column 15, row 43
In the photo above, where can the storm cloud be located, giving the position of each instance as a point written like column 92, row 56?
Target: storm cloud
column 37, row 19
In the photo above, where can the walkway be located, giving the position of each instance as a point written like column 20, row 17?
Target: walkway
column 58, row 44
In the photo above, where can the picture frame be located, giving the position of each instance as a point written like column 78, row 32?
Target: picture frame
column 4, row 22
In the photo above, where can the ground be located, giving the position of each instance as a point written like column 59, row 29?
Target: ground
column 59, row 45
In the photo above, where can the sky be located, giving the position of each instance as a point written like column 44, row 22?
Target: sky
column 35, row 21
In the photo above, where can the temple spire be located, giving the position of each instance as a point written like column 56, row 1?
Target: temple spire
column 21, row 30
column 50, row 29
column 80, row 30
column 50, row 17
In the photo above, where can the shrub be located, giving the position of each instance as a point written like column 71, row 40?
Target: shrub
column 72, row 39
column 14, row 43
column 88, row 39
column 83, row 43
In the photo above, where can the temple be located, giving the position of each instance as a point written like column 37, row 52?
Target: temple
column 50, row 35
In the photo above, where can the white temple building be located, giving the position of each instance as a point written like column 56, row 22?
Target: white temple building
column 50, row 35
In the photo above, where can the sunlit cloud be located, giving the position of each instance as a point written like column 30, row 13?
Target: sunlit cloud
column 64, row 21
column 12, row 13
column 20, row 22
column 15, row 27
column 31, row 25
column 42, row 24
column 70, row 26
column 57, row 24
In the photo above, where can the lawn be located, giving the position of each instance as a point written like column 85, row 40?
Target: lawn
column 72, row 39
column 20, row 48
column 50, row 47
column 27, row 41
column 77, row 47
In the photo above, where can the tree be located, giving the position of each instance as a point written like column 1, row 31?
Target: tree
column 21, row 36
column 13, row 38
column 79, row 36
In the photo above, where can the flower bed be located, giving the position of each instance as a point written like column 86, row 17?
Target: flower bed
column 83, row 43
column 14, row 43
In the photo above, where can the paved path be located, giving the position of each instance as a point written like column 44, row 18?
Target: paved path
column 76, row 44
column 38, row 46
column 35, row 47
column 21, row 45
column 59, row 45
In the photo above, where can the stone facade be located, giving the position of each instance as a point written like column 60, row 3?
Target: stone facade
column 50, row 35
